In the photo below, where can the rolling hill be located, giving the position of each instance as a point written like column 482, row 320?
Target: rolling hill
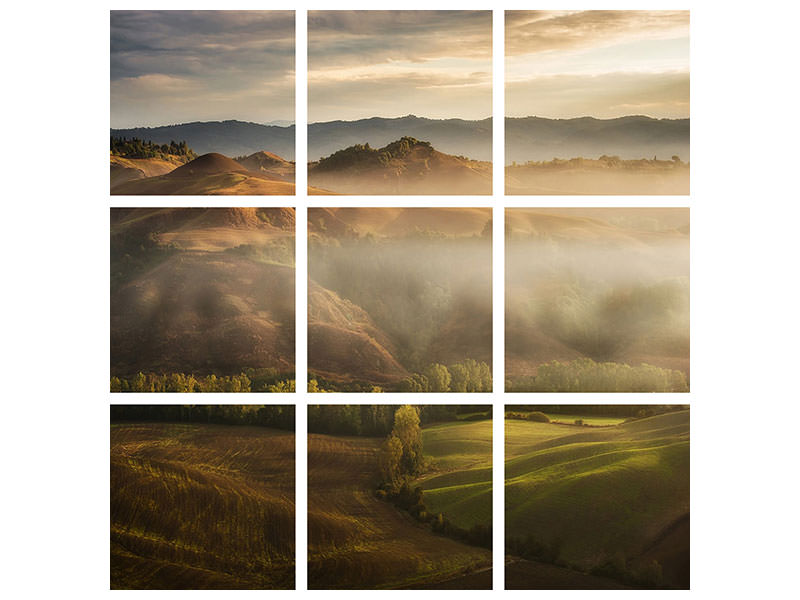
column 344, row 343
column 214, row 174
column 607, row 500
column 268, row 164
column 201, row 507
column 406, row 166
column 453, row 136
column 356, row 541
column 202, row 290
column 459, row 482
column 125, row 169
column 231, row 138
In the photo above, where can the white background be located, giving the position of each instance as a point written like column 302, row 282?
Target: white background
column 743, row 282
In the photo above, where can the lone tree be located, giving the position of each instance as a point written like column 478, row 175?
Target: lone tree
column 401, row 453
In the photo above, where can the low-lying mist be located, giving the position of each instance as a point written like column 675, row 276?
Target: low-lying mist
column 609, row 293
column 429, row 294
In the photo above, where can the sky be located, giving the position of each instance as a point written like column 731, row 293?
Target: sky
column 604, row 64
column 174, row 66
column 435, row 64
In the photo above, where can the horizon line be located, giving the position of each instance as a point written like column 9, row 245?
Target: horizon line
column 294, row 124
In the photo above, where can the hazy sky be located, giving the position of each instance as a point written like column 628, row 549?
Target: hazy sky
column 179, row 66
column 435, row 64
column 604, row 64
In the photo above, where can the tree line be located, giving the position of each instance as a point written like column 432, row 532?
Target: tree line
column 249, row 380
column 136, row 148
column 468, row 375
column 277, row 416
column 603, row 410
column 378, row 420
column 586, row 375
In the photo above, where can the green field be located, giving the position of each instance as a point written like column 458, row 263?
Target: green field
column 595, row 420
column 201, row 507
column 595, row 496
column 459, row 481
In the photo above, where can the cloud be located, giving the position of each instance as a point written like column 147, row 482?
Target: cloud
column 530, row 32
column 662, row 95
column 604, row 64
column 191, row 60
column 390, row 63
column 341, row 38
column 439, row 97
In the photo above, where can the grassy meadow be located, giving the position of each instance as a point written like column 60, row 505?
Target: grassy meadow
column 459, row 484
column 201, row 506
column 598, row 506
column 357, row 539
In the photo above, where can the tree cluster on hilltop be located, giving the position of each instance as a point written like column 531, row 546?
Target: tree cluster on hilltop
column 136, row 148
column 364, row 156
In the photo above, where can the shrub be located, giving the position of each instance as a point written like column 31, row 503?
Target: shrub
column 478, row 417
column 538, row 416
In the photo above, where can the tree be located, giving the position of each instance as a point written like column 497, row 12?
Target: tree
column 414, row 383
column 438, row 378
column 406, row 429
column 460, row 378
column 389, row 459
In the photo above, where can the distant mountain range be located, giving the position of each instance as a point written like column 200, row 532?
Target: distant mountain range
column 527, row 138
column 536, row 138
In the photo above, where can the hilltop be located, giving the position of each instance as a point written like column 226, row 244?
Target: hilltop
column 214, row 174
column 405, row 166
column 268, row 163
column 454, row 136
column 136, row 159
